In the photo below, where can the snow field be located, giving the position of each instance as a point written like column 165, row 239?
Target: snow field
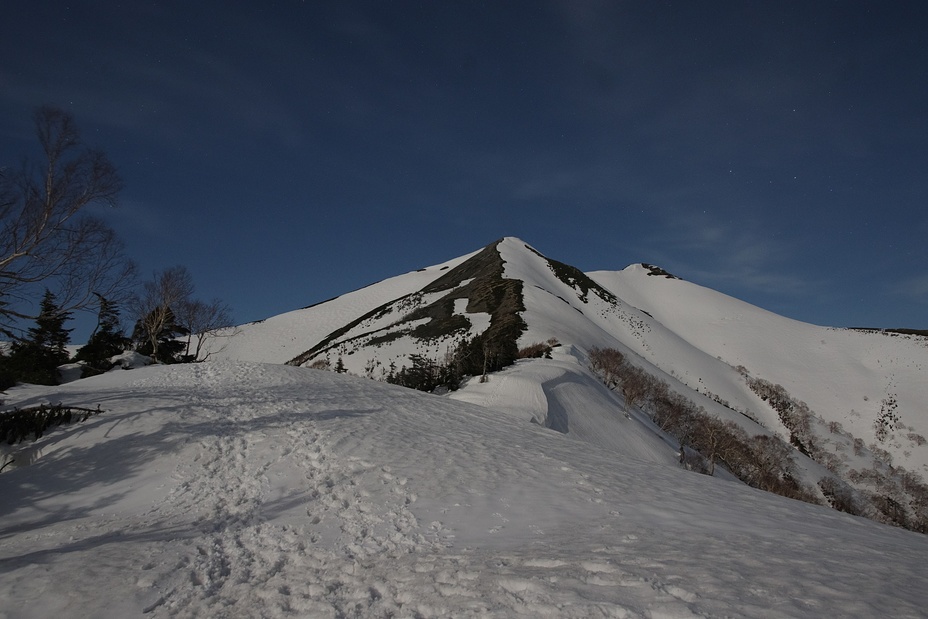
column 235, row 489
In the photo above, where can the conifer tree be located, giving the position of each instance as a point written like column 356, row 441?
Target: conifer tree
column 35, row 358
column 106, row 341
column 7, row 373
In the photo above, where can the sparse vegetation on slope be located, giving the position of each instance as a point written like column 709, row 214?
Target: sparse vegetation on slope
column 891, row 332
column 882, row 492
column 761, row 461
column 575, row 278
column 656, row 271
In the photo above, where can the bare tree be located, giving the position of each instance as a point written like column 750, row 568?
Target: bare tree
column 46, row 236
column 617, row 373
column 609, row 363
column 717, row 438
column 160, row 298
column 203, row 321
column 636, row 385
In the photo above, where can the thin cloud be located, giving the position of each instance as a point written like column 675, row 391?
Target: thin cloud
column 723, row 253
column 914, row 288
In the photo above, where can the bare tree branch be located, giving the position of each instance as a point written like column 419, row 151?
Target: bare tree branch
column 158, row 301
column 45, row 236
column 204, row 321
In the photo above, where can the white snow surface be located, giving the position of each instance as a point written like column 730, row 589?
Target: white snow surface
column 238, row 489
column 559, row 394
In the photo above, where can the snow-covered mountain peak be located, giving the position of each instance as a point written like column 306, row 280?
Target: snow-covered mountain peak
column 485, row 298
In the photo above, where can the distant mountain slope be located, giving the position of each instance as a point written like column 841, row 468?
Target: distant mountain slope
column 279, row 338
column 844, row 375
column 468, row 300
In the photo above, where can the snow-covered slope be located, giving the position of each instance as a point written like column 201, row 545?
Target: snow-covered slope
column 560, row 395
column 238, row 489
column 279, row 338
column 844, row 375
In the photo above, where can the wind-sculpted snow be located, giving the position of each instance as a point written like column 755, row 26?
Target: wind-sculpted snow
column 558, row 394
column 241, row 490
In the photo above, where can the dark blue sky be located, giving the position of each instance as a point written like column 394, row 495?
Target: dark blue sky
column 287, row 152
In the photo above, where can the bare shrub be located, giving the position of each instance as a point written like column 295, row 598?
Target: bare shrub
column 762, row 461
column 608, row 363
column 890, row 510
column 672, row 412
column 840, row 495
column 535, row 351
column 204, row 321
column 794, row 414
column 321, row 364
column 858, row 446
column 636, row 384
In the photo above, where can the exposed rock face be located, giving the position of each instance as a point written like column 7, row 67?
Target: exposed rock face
column 432, row 316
